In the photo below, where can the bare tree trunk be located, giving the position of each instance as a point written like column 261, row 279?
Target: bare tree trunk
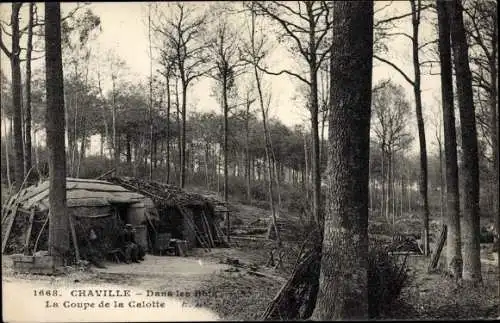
column 58, row 224
column 167, row 78
column 267, row 147
column 7, row 157
column 179, row 134
column 247, row 149
column 454, row 244
column 150, row 96
column 471, row 228
column 316, row 162
column 16, row 97
column 183, row 136
column 384, row 180
column 129, row 149
column 343, row 285
column 423, row 178
column 225, row 108
column 207, row 150
column 82, row 150
column 494, row 136
column 306, row 171
column 116, row 152
column 104, row 117
column 27, row 121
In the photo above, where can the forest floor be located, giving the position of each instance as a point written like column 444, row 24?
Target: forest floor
column 245, row 285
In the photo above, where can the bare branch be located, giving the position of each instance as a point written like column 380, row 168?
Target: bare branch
column 384, row 7
column 427, row 43
column 283, row 72
column 285, row 24
column 399, row 34
column 297, row 13
column 392, row 19
column 407, row 78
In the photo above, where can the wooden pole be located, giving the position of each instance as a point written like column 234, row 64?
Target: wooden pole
column 228, row 227
column 28, row 233
column 9, row 228
column 73, row 235
column 439, row 247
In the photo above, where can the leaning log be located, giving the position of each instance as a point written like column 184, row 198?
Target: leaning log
column 297, row 298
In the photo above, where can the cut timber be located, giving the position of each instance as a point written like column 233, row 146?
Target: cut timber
column 228, row 227
column 203, row 242
column 9, row 228
column 439, row 248
column 220, row 235
column 207, row 226
column 297, row 298
column 252, row 238
column 28, row 233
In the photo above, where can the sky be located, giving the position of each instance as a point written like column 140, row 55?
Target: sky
column 124, row 30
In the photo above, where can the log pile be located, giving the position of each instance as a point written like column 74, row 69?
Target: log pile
column 165, row 197
column 170, row 195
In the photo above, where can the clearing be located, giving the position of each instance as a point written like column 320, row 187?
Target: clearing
column 235, row 283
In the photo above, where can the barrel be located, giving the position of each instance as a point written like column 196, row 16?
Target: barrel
column 136, row 213
column 141, row 236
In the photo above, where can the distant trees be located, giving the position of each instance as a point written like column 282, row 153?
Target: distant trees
column 343, row 289
column 223, row 47
column 304, row 29
column 416, row 18
column 255, row 50
column 15, row 64
column 182, row 29
column 390, row 120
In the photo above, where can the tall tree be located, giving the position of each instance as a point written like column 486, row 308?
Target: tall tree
column 343, row 289
column 416, row 15
column 168, row 73
column 15, row 64
column 224, row 50
column 150, row 95
column 482, row 29
column 453, row 245
column 305, row 24
column 391, row 112
column 182, row 31
column 471, row 227
column 27, row 107
column 55, row 128
column 256, row 52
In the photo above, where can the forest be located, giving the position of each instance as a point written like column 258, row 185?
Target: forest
column 368, row 146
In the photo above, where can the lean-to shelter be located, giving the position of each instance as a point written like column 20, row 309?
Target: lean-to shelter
column 179, row 214
column 95, row 208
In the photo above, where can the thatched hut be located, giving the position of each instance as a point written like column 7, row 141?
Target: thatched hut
column 179, row 214
column 93, row 205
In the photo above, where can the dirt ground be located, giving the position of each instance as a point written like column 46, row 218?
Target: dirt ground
column 243, row 291
column 202, row 271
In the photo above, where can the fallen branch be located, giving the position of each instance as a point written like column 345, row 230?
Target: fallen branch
column 106, row 173
column 260, row 274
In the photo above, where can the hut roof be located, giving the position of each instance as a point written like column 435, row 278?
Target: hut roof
column 79, row 192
